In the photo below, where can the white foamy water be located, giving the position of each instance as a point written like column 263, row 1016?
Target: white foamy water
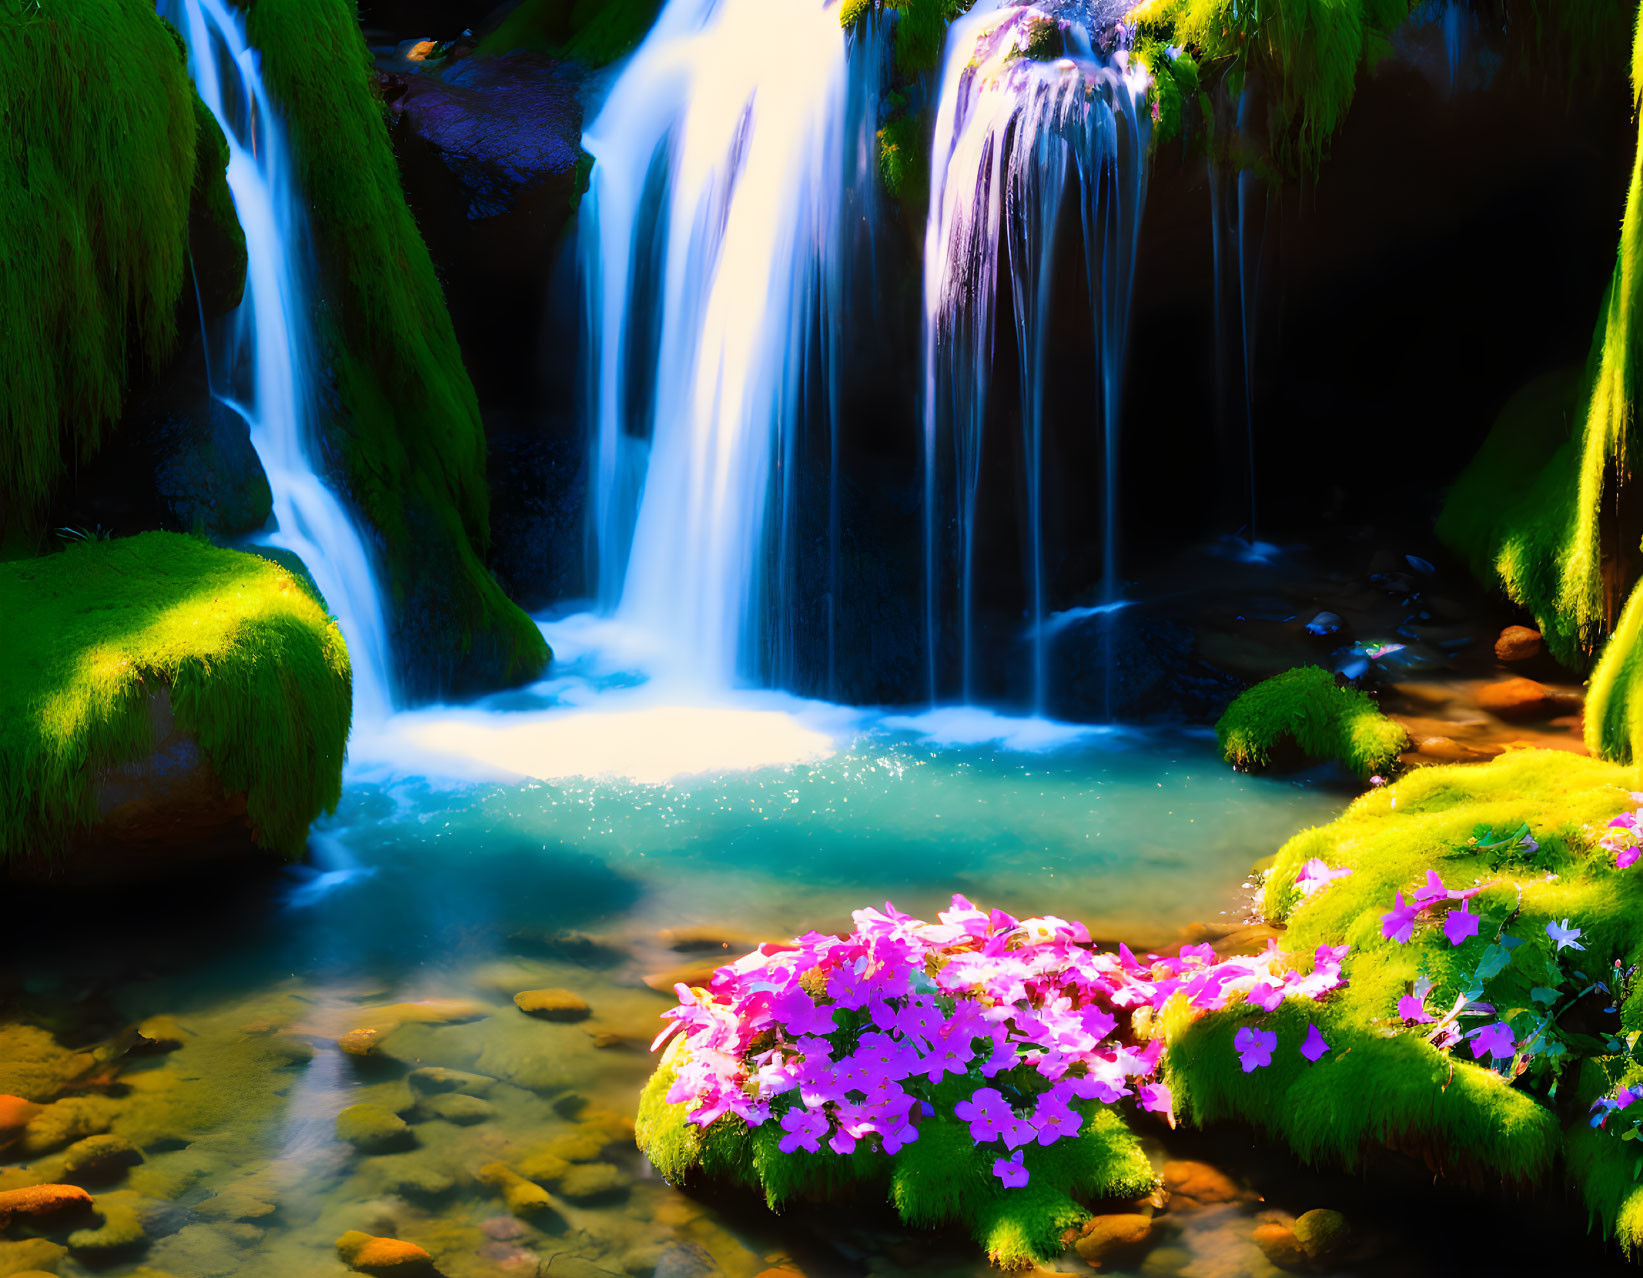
column 271, row 349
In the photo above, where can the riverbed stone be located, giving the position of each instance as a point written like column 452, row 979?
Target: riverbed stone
column 592, row 1182
column 687, row 1260
column 373, row 1129
column 1518, row 643
column 100, row 1157
column 30, row 1255
column 525, row 1198
column 1107, row 1238
column 376, row 1255
column 121, row 1229
column 552, row 1005
column 456, row 1107
column 432, row 1080
column 1323, row 1233
column 1517, row 699
column 1279, row 1245
column 41, row 1201
column 1199, row 1183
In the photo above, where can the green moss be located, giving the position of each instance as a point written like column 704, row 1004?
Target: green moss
column 1544, row 542
column 1308, row 54
column 1381, row 1086
column 97, row 139
column 941, row 1179
column 410, row 436
column 592, row 32
column 1174, row 86
column 921, row 30
column 1614, row 701
column 902, row 161
column 853, row 11
column 255, row 669
column 1307, row 708
column 214, row 221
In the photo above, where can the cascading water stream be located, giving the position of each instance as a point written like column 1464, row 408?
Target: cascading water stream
column 271, row 349
column 1025, row 99
column 723, row 210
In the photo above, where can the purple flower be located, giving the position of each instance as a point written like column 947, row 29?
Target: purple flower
column 1011, row 1171
column 1412, row 1007
column 987, row 1112
column 1254, row 1047
column 1495, row 1039
column 1567, row 938
column 1432, row 891
column 1460, row 924
column 1314, row 1047
column 1399, row 924
column 804, row 1128
column 1054, row 1118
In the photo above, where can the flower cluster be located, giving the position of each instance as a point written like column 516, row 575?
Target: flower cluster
column 1398, row 924
column 846, row 1039
column 1624, row 834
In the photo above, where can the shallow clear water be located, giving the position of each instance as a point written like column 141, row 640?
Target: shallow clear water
column 445, row 875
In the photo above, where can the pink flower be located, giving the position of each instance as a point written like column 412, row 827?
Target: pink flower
column 1054, row 1118
column 1315, row 875
column 1156, row 1098
column 1413, row 1008
column 804, row 1128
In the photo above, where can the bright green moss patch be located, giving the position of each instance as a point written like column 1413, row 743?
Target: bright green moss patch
column 412, row 443
column 255, row 670
column 1382, row 1082
column 97, row 163
column 592, row 32
column 1307, row 52
column 1614, row 701
column 1305, row 708
column 936, row 1181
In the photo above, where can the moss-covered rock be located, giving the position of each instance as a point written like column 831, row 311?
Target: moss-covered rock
column 100, row 172
column 592, row 32
column 253, row 672
column 1307, row 711
column 1383, row 1082
column 374, row 1129
column 404, row 424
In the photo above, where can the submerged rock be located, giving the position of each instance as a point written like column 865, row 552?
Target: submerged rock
column 41, row 1200
column 100, row 1157
column 373, row 1129
column 524, row 1197
column 455, row 1107
column 1323, row 1233
column 1107, row 1238
column 1518, row 699
column 552, row 1005
column 372, row 1255
column 594, row 1182
column 433, row 1080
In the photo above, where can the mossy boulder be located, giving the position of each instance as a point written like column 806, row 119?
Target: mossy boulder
column 401, row 419
column 372, row 1255
column 105, row 185
column 1306, row 712
column 592, row 32
column 1520, row 834
column 164, row 699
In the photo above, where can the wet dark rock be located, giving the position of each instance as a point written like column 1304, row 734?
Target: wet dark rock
column 179, row 460
column 164, row 813
column 1323, row 1233
column 1324, row 625
column 1133, row 668
column 687, row 1260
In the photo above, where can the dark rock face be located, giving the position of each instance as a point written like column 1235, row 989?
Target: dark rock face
column 181, row 460
column 1132, row 668
column 500, row 125
column 161, row 814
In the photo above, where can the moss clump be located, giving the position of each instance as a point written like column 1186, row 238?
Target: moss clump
column 902, row 161
column 1614, row 702
column 97, row 163
column 1564, row 546
column 1305, row 707
column 1307, row 54
column 410, row 438
column 1381, row 1085
column 921, row 30
column 592, row 32
column 1174, row 86
column 937, row 1180
column 255, row 670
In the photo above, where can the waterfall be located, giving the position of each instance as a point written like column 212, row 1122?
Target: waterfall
column 733, row 168
column 1027, row 105
column 271, row 348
